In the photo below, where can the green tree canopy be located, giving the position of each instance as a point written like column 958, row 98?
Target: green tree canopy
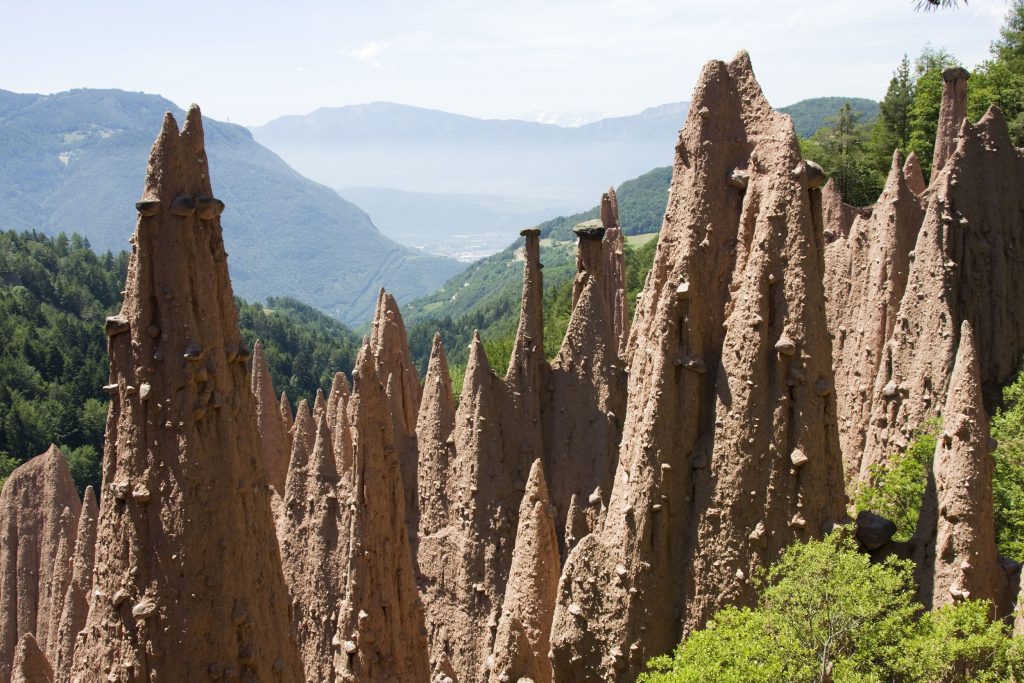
column 827, row 614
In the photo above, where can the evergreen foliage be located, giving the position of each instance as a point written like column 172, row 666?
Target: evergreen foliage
column 811, row 115
column 893, row 128
column 55, row 293
column 826, row 613
column 924, row 111
column 843, row 150
column 1000, row 79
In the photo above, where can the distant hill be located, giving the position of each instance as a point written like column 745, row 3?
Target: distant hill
column 76, row 161
column 396, row 146
column 464, row 226
column 429, row 177
column 486, row 295
column 810, row 115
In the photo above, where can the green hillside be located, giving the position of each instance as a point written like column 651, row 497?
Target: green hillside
column 75, row 162
column 486, row 295
column 809, row 116
column 54, row 295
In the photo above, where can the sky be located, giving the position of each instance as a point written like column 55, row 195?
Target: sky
column 556, row 60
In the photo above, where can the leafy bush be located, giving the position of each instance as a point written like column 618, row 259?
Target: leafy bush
column 897, row 487
column 1008, row 480
column 826, row 613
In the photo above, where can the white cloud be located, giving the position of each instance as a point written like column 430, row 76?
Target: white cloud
column 367, row 53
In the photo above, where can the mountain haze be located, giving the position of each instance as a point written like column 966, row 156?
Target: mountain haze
column 69, row 159
column 382, row 144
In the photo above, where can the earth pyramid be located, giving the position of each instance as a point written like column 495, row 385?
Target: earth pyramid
column 730, row 448
column 32, row 524
column 965, row 265
column 186, row 558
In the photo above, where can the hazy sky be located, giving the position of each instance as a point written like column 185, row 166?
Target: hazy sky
column 251, row 61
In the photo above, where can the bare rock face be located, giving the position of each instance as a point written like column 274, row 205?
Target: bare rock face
column 522, row 642
column 76, row 600
column 32, row 524
column 389, row 344
column 30, row 664
column 498, row 434
column 615, row 270
column 968, row 256
column 274, row 446
column 584, row 405
column 339, row 393
column 527, row 366
column 313, row 551
column 952, row 113
column 186, row 559
column 380, row 623
column 730, row 447
column 956, row 547
column 914, row 175
column 287, row 418
column 60, row 579
column 435, row 428
column 464, row 565
column 837, row 217
column 866, row 273
column 319, row 406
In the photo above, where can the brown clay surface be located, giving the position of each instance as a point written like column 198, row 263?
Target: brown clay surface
column 866, row 269
column 730, row 384
column 522, row 642
column 186, row 559
column 956, row 554
column 75, row 608
column 30, row 664
column 32, row 506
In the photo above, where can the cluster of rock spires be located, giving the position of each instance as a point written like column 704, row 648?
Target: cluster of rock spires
column 566, row 521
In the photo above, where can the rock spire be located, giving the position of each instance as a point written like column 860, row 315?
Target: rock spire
column 287, row 419
column 32, row 506
column 957, row 556
column 186, row 559
column 30, row 664
column 615, row 270
column 866, row 273
column 914, row 175
column 389, row 345
column 952, row 114
column 435, row 427
column 76, row 599
column 730, row 448
column 313, row 544
column 584, row 406
column 60, row 579
column 339, row 393
column 380, row 622
column 969, row 252
column 274, row 446
column 522, row 642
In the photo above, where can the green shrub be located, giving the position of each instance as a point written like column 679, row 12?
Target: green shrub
column 1008, row 480
column 896, row 488
column 827, row 613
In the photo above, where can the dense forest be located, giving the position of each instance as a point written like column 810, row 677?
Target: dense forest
column 857, row 152
column 54, row 295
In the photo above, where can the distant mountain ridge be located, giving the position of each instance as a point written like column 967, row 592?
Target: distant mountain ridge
column 387, row 145
column 811, row 115
column 76, row 161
